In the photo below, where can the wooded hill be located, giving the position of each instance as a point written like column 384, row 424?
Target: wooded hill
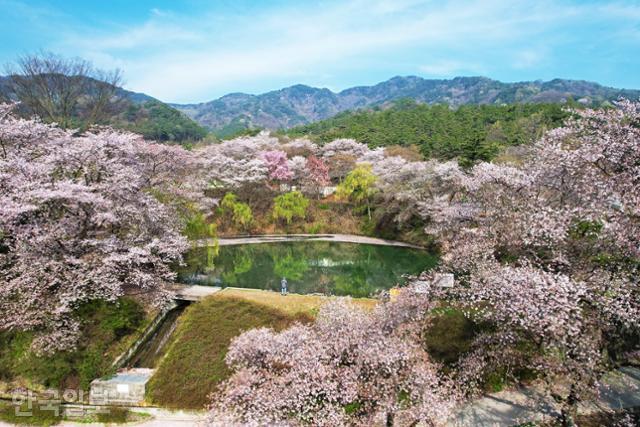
column 127, row 110
column 469, row 133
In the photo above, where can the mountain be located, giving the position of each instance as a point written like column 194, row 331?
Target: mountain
column 300, row 104
column 137, row 112
column 4, row 88
column 6, row 93
column 135, row 97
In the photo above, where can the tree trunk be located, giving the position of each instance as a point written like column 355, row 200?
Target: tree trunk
column 569, row 409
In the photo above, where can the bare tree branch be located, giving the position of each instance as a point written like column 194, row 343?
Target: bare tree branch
column 70, row 92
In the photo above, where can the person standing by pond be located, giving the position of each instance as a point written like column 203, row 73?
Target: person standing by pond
column 283, row 286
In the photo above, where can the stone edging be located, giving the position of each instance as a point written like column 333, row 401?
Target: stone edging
column 273, row 238
column 126, row 356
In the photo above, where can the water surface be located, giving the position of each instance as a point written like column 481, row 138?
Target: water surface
column 330, row 268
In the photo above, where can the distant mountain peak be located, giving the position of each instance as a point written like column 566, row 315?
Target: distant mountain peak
column 301, row 104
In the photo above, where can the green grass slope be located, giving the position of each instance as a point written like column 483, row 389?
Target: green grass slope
column 108, row 329
column 194, row 364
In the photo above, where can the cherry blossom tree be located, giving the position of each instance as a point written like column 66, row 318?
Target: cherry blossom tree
column 247, row 146
column 341, row 156
column 277, row 165
column 346, row 147
column 350, row 367
column 299, row 147
column 297, row 166
column 549, row 248
column 79, row 221
column 316, row 174
column 372, row 156
column 233, row 173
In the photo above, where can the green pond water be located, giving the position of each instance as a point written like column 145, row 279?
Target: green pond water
column 331, row 268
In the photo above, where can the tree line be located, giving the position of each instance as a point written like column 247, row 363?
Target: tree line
column 469, row 133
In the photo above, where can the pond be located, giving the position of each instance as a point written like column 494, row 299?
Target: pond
column 330, row 268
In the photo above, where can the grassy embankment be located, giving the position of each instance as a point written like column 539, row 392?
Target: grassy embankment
column 194, row 364
column 108, row 329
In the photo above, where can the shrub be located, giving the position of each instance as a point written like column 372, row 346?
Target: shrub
column 289, row 206
column 315, row 228
column 239, row 213
column 197, row 227
column 450, row 335
column 358, row 186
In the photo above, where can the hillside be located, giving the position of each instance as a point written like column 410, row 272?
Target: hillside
column 468, row 133
column 137, row 112
column 300, row 104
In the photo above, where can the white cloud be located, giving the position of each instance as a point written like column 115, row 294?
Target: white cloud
column 528, row 58
column 151, row 34
column 158, row 12
column 448, row 67
column 180, row 59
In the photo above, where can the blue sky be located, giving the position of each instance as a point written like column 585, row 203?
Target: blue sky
column 196, row 50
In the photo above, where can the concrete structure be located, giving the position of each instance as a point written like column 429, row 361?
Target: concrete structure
column 125, row 357
column 271, row 238
column 324, row 191
column 193, row 292
column 126, row 388
column 443, row 280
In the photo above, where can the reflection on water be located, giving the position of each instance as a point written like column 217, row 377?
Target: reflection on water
column 324, row 267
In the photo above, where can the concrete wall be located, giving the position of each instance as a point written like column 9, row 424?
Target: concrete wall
column 127, row 388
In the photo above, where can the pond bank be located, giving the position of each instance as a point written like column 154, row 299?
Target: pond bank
column 271, row 238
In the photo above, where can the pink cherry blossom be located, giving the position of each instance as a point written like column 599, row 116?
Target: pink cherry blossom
column 350, row 367
column 277, row 164
column 78, row 221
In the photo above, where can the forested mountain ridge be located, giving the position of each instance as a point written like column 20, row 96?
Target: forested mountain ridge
column 468, row 133
column 6, row 93
column 300, row 104
column 134, row 111
column 303, row 105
